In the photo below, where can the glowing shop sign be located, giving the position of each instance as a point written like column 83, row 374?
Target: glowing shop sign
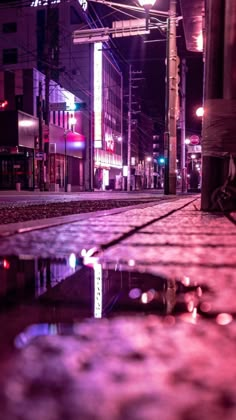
column 97, row 105
column 38, row 3
column 109, row 142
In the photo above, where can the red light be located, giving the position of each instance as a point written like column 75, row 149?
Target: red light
column 3, row 104
column 6, row 264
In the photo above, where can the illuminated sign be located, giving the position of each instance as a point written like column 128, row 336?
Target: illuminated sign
column 83, row 4
column 109, row 142
column 97, row 290
column 97, row 104
column 38, row 3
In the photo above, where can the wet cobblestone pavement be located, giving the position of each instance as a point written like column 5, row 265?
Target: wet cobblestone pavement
column 177, row 364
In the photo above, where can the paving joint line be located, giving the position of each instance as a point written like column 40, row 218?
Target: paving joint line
column 136, row 229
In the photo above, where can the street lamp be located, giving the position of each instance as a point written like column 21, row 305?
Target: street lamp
column 72, row 122
column 147, row 4
column 171, row 92
column 200, row 112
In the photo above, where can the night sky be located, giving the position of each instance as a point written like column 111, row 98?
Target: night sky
column 150, row 59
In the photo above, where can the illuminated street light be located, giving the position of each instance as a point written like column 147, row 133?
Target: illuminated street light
column 147, row 4
column 200, row 112
column 187, row 141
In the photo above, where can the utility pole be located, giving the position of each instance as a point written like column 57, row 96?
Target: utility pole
column 129, row 128
column 41, row 161
column 171, row 92
column 122, row 131
column 47, row 60
column 183, row 124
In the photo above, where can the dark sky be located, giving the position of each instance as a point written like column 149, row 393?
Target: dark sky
column 150, row 58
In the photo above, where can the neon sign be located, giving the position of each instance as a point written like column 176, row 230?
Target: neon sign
column 37, row 3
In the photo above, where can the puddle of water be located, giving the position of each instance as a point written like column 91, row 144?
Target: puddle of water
column 48, row 296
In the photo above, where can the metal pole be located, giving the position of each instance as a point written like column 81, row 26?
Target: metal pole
column 65, row 169
column 129, row 130
column 47, row 58
column 183, row 124
column 172, row 97
column 41, row 161
column 122, row 134
column 166, row 134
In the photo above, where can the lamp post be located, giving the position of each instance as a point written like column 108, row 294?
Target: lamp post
column 171, row 92
column 65, row 153
column 170, row 112
column 72, row 122
column 147, row 4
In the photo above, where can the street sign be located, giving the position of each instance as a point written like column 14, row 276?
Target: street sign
column 129, row 27
column 194, row 139
column 39, row 155
column 90, row 35
column 197, row 148
column 119, row 29
column 57, row 106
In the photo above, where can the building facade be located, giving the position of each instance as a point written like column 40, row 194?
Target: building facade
column 38, row 35
column 26, row 141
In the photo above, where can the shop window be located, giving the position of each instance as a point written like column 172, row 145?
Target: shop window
column 10, row 56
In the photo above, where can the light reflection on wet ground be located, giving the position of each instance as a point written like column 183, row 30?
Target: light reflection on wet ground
column 49, row 296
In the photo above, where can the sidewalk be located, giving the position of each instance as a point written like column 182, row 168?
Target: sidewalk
column 180, row 366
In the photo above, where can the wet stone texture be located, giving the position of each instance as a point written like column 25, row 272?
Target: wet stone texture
column 128, row 368
column 178, row 367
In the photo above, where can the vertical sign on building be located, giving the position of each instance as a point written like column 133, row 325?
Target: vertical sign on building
column 97, row 290
column 97, row 106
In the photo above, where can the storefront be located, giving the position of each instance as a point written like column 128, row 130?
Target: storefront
column 18, row 135
column 16, row 168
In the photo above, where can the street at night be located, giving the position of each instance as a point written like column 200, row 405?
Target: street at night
column 117, row 209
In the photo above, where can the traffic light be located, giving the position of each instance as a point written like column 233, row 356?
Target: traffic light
column 3, row 104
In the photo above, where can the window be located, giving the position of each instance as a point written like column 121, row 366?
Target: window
column 10, row 56
column 9, row 27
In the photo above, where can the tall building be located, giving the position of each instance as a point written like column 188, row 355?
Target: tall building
column 37, row 34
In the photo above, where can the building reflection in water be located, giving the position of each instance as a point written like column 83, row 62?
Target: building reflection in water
column 95, row 289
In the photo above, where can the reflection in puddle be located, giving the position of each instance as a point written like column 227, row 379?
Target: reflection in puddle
column 38, row 330
column 70, row 289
